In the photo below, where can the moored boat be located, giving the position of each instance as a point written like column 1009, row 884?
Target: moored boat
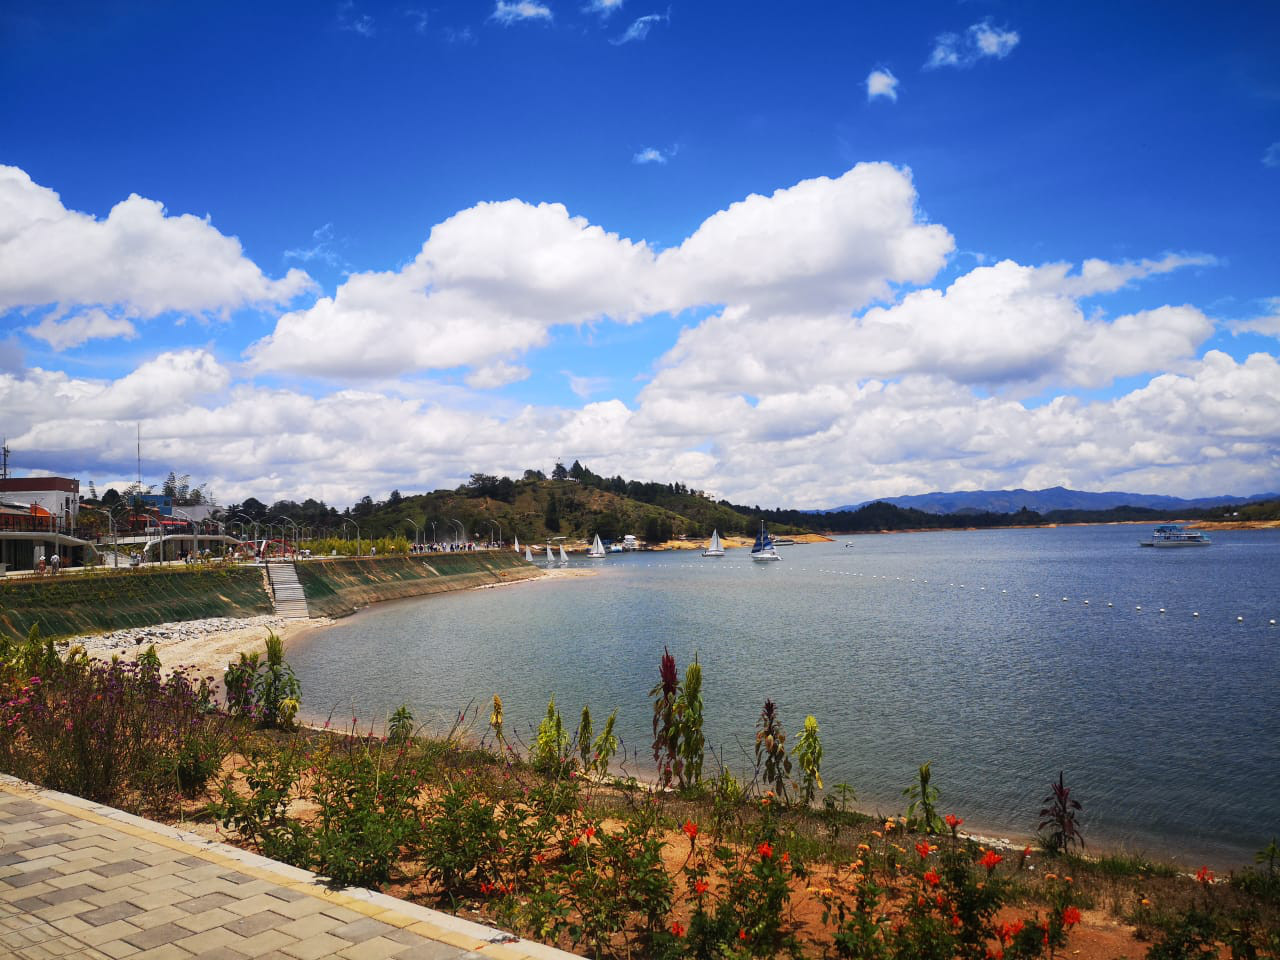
column 763, row 548
column 1172, row 535
column 597, row 549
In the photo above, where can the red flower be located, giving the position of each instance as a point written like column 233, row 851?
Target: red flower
column 742, row 933
column 932, row 879
column 956, row 921
column 786, row 857
column 1070, row 917
column 701, row 886
column 590, row 832
column 765, row 850
column 990, row 859
column 691, row 829
column 573, row 841
column 1204, row 875
column 677, row 929
column 953, row 821
column 1008, row 931
column 924, row 849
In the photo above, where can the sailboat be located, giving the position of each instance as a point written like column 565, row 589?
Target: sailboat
column 714, row 549
column 564, row 557
column 550, row 559
column 517, row 546
column 764, row 549
column 528, row 555
column 597, row 549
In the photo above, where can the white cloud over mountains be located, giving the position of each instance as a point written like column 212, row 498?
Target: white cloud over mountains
column 820, row 349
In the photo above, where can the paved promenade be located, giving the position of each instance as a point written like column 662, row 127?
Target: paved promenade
column 81, row 880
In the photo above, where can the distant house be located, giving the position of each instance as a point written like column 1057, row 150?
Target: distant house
column 38, row 518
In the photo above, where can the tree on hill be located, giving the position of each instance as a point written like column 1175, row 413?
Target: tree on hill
column 559, row 473
column 551, row 519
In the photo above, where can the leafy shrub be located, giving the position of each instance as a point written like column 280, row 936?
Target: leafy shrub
column 551, row 744
column 808, row 754
column 366, row 812
column 1059, row 815
column 771, row 750
column 922, row 810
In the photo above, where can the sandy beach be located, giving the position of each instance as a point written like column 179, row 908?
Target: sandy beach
column 205, row 646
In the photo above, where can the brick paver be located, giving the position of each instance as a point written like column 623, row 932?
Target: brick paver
column 81, row 880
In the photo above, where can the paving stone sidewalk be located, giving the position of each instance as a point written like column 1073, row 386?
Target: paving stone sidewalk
column 81, row 880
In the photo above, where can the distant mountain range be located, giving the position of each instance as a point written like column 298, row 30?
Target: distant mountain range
column 1043, row 501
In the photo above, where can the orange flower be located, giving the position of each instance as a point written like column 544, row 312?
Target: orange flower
column 677, row 929
column 765, row 849
column 690, row 829
column 990, row 859
column 1070, row 917
column 932, row 879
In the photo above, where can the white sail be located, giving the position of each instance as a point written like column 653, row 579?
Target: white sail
column 715, row 548
column 597, row 549
column 528, row 555
column 550, row 559
column 517, row 546
column 564, row 557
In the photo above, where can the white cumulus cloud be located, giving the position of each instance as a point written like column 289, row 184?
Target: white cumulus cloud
column 140, row 258
column 882, row 83
column 94, row 324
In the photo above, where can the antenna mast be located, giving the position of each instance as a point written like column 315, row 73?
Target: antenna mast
column 139, row 459
column 4, row 459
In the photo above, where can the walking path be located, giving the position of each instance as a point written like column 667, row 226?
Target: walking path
column 78, row 879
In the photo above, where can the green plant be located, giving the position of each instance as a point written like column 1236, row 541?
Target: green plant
column 605, row 746
column 276, row 689
column 149, row 664
column 666, row 743
column 771, row 751
column 260, row 814
column 365, row 812
column 688, row 727
column 583, row 738
column 400, row 726
column 922, row 808
column 461, row 839
column 1059, row 815
column 808, row 754
column 238, row 682
column 551, row 744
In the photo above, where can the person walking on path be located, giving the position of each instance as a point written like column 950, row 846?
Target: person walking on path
column 57, row 564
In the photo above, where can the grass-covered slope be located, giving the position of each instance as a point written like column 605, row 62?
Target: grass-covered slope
column 338, row 586
column 69, row 604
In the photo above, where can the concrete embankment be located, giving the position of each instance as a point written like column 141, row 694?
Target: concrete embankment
column 338, row 586
column 72, row 604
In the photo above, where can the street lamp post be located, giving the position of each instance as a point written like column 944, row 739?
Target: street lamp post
column 347, row 520
column 435, row 542
column 415, row 532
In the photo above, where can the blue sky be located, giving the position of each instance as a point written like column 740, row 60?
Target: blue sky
column 801, row 254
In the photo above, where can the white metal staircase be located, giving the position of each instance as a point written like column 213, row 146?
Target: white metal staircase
column 286, row 591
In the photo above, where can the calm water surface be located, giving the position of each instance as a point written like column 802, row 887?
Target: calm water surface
column 906, row 648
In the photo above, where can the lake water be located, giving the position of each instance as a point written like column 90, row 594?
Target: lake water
column 906, row 648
